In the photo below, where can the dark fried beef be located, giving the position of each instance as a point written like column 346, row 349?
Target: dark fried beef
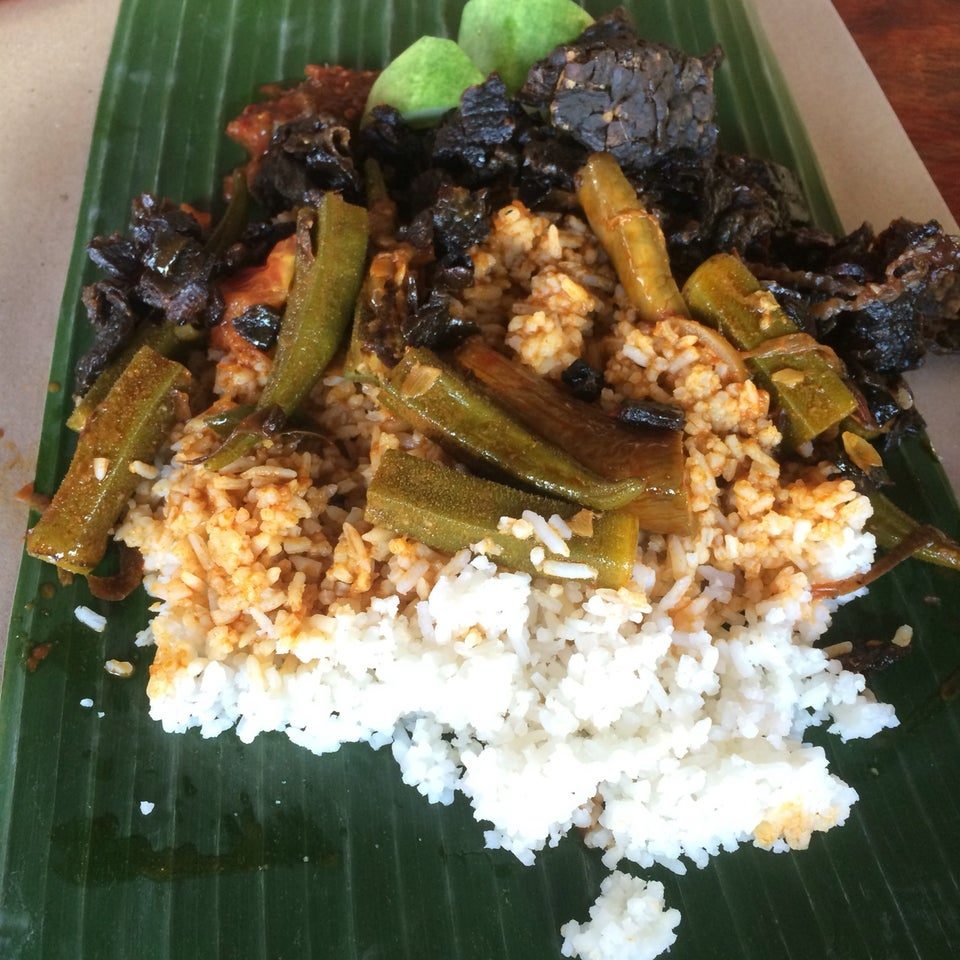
column 403, row 155
column 639, row 101
column 881, row 301
column 650, row 413
column 305, row 159
column 871, row 656
column 488, row 141
column 400, row 150
column 460, row 219
column 730, row 203
column 883, row 395
column 884, row 337
column 160, row 272
column 429, row 322
column 258, row 325
column 257, row 239
column 548, row 165
column 476, row 142
column 444, row 232
column 114, row 321
column 585, row 382
column 753, row 199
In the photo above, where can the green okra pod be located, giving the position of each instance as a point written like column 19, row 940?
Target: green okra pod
column 167, row 339
column 331, row 249
column 448, row 510
column 594, row 439
column 441, row 402
column 804, row 377
column 234, row 219
column 722, row 293
column 891, row 526
column 129, row 425
column 632, row 238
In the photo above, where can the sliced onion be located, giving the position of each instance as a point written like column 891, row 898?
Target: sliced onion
column 725, row 351
column 795, row 343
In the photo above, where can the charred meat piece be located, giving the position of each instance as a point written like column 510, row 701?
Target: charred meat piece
column 926, row 261
column 457, row 221
column 432, row 323
column 159, row 272
column 304, row 160
column 890, row 405
column 176, row 279
column 259, row 325
column 461, row 220
column 403, row 156
column 401, row 151
column 442, row 234
column 488, row 141
column 115, row 255
column 585, row 382
column 407, row 302
column 884, row 336
column 114, row 321
column 753, row 200
column 613, row 92
column 259, row 237
column 549, row 163
column 475, row 141
column 731, row 204
column 871, row 656
column 882, row 301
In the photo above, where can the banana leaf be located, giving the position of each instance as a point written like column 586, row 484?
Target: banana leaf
column 266, row 851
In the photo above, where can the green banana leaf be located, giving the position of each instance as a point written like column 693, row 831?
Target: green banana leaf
column 266, row 851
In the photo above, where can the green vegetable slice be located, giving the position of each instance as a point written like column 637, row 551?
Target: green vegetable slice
column 891, row 526
column 509, row 36
column 590, row 436
column 631, row 236
column 165, row 338
column 425, row 81
column 803, row 377
column 724, row 294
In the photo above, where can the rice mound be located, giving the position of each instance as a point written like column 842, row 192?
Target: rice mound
column 664, row 719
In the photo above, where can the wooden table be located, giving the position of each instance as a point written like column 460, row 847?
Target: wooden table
column 914, row 51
